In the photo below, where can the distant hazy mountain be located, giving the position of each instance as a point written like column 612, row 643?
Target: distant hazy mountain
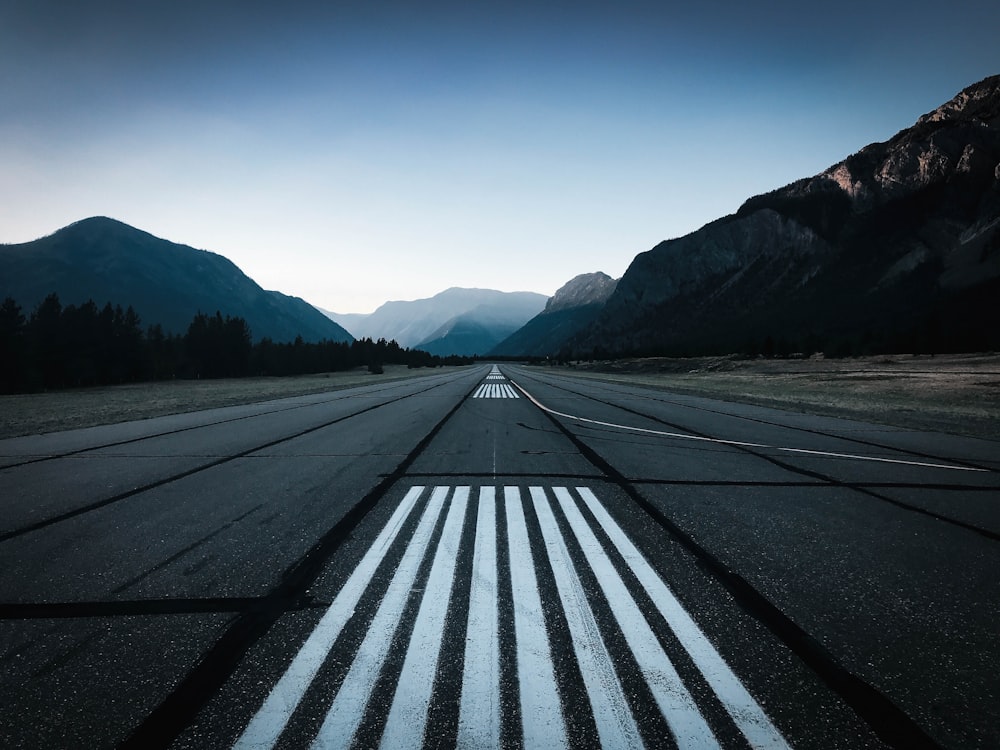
column 574, row 306
column 896, row 247
column 456, row 321
column 347, row 321
column 108, row 261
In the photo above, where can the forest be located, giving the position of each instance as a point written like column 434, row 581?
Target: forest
column 79, row 346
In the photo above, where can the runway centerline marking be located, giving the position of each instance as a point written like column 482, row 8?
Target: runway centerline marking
column 741, row 443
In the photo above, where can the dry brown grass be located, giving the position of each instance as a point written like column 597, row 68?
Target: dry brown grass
column 959, row 394
column 34, row 413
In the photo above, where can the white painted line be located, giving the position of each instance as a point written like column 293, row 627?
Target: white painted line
column 271, row 718
column 541, row 715
column 738, row 443
column 689, row 727
column 479, row 711
column 408, row 715
column 347, row 711
column 616, row 726
column 479, row 392
column 739, row 704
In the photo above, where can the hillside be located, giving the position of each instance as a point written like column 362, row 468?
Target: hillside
column 895, row 248
column 166, row 283
column 479, row 319
column 570, row 310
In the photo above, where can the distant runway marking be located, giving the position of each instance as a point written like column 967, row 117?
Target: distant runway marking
column 573, row 519
column 495, row 390
column 740, row 443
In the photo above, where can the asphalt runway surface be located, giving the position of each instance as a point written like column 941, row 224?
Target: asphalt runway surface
column 499, row 557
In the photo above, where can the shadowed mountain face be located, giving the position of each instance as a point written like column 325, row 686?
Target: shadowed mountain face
column 895, row 248
column 166, row 283
column 570, row 310
column 456, row 321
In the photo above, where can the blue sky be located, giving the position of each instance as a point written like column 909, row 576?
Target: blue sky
column 351, row 153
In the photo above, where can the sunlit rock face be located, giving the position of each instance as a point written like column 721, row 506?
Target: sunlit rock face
column 901, row 237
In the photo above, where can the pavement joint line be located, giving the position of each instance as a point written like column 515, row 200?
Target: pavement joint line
column 164, row 724
column 858, row 487
column 743, row 444
column 40, row 457
column 98, row 504
column 796, row 428
column 886, row 719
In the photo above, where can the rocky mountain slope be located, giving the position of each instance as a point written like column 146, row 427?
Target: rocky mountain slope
column 574, row 306
column 895, row 248
column 166, row 283
column 476, row 318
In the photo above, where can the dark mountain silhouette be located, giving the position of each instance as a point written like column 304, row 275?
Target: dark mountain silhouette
column 570, row 310
column 896, row 248
column 455, row 321
column 166, row 283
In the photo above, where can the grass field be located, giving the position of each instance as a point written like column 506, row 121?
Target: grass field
column 959, row 394
column 34, row 413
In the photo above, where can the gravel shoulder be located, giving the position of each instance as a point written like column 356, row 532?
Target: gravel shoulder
column 36, row 413
column 957, row 394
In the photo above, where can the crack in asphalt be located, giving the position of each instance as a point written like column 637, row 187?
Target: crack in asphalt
column 890, row 723
column 176, row 712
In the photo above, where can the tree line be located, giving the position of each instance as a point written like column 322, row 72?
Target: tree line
column 86, row 345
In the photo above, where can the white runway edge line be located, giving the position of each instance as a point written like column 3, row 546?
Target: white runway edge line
column 741, row 444
column 543, row 716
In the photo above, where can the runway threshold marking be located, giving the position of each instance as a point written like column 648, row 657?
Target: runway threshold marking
column 741, row 443
column 495, row 390
column 562, row 517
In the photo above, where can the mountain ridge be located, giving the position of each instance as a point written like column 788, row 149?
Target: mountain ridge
column 896, row 246
column 167, row 283
column 427, row 321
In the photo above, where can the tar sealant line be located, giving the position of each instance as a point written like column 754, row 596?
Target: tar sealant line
column 347, row 711
column 272, row 717
column 747, row 714
column 686, row 722
column 616, row 726
column 739, row 443
column 479, row 710
column 542, row 721
column 408, row 713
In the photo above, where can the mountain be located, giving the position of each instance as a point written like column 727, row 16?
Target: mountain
column 166, row 283
column 470, row 320
column 570, row 310
column 895, row 248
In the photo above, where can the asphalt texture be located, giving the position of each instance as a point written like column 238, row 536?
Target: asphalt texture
column 500, row 556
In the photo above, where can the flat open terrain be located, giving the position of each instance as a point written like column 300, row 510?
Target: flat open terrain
column 957, row 393
column 37, row 413
column 507, row 557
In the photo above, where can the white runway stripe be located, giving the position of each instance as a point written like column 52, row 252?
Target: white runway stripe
column 495, row 390
column 563, row 524
column 479, row 711
column 270, row 720
column 408, row 714
column 541, row 713
column 744, row 710
column 615, row 724
column 347, row 711
column 674, row 700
